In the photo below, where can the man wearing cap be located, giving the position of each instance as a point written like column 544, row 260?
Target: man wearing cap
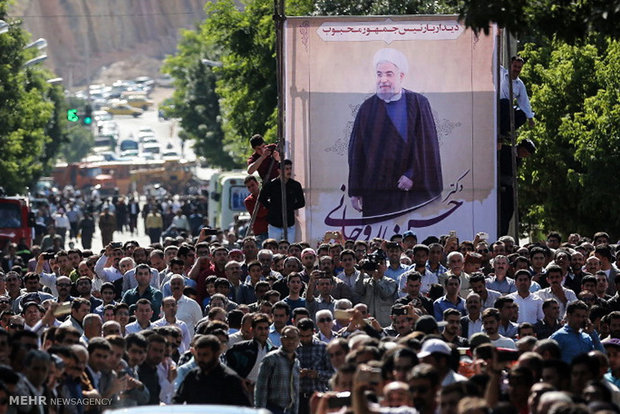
column 409, row 240
column 437, row 353
column 395, row 267
column 612, row 347
column 394, row 161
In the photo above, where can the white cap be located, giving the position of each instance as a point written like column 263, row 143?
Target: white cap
column 393, row 56
column 434, row 346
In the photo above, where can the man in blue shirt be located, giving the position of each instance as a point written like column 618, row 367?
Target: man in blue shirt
column 451, row 298
column 578, row 335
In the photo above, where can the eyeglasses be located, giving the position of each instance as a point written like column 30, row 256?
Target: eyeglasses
column 324, row 320
column 63, row 284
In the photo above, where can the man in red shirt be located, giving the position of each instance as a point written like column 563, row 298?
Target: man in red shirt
column 261, row 159
column 259, row 227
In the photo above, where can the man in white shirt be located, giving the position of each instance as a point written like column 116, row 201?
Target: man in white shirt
column 144, row 313
column 530, row 306
column 556, row 291
column 490, row 321
column 110, row 273
column 519, row 93
column 188, row 310
column 169, row 306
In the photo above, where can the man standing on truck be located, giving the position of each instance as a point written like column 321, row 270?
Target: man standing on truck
column 271, row 197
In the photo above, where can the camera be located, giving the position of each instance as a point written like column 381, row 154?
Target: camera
column 48, row 255
column 371, row 261
column 271, row 147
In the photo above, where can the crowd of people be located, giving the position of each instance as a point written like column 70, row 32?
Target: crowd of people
column 440, row 325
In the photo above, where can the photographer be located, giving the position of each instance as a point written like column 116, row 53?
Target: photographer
column 261, row 159
column 377, row 291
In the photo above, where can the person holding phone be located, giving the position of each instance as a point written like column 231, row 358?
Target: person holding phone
column 577, row 336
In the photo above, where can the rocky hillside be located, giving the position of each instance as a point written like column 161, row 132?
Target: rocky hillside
column 94, row 34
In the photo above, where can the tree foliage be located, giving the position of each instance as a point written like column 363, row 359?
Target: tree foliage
column 569, row 184
column 25, row 111
column 384, row 7
column 195, row 101
column 564, row 19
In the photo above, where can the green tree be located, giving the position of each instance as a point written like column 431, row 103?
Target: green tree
column 569, row 184
column 25, row 111
column 566, row 20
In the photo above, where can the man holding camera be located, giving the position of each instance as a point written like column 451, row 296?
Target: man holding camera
column 261, row 159
column 377, row 291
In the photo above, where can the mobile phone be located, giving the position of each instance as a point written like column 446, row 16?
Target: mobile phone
column 342, row 399
column 116, row 245
column 63, row 309
column 452, row 233
column 484, row 235
column 48, row 255
column 209, row 232
column 400, row 311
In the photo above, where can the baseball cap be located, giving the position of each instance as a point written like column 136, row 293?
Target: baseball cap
column 433, row 346
column 409, row 234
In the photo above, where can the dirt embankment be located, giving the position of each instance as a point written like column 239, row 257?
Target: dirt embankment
column 126, row 37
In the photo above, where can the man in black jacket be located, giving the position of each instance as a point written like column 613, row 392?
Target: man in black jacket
column 245, row 357
column 271, row 197
column 223, row 384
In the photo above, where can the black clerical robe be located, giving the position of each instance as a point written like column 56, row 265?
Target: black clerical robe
column 379, row 156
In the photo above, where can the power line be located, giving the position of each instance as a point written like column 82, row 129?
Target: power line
column 103, row 15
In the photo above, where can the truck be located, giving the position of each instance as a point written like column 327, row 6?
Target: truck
column 16, row 221
column 226, row 195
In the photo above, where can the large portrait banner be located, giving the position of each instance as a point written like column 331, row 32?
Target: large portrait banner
column 390, row 122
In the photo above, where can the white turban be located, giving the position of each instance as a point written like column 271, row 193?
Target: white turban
column 393, row 56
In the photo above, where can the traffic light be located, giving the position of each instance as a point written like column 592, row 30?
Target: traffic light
column 88, row 115
column 72, row 115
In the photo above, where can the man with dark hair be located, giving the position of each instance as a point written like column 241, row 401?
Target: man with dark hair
column 557, row 373
column 413, row 289
column 223, row 384
column 262, row 157
column 281, row 312
column 148, row 370
column 245, row 357
column 451, row 300
column 98, row 352
column 577, row 336
column 452, row 318
column 79, row 309
column 554, row 239
column 556, row 291
column 490, row 322
column 604, row 253
column 424, row 382
column 271, row 198
column 314, row 362
column 477, row 282
column 550, row 323
column 144, row 317
column 144, row 291
column 506, row 307
column 530, row 306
